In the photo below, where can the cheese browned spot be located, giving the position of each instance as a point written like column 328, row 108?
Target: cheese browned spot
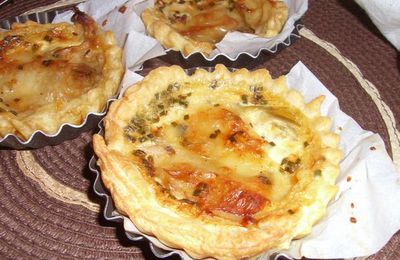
column 233, row 134
column 231, row 197
column 211, row 191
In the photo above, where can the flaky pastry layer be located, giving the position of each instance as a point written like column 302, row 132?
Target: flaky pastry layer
column 222, row 164
column 52, row 74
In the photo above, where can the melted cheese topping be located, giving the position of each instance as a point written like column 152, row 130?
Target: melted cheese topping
column 232, row 153
column 52, row 64
column 209, row 20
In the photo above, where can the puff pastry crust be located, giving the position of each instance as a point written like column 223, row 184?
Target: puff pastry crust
column 51, row 74
column 222, row 164
column 195, row 26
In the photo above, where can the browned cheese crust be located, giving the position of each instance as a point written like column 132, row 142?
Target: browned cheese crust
column 222, row 164
column 51, row 74
column 195, row 26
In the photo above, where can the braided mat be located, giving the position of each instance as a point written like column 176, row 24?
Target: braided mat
column 47, row 205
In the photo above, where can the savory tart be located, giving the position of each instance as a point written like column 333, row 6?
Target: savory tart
column 51, row 74
column 222, row 164
column 195, row 26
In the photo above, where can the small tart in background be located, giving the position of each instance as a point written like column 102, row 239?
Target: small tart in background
column 52, row 74
column 195, row 26
column 222, row 164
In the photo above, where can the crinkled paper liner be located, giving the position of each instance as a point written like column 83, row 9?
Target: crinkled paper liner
column 197, row 57
column 278, row 45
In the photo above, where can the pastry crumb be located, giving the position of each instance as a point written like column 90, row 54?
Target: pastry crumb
column 122, row 9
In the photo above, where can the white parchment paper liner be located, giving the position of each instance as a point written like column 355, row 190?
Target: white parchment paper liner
column 374, row 189
column 385, row 14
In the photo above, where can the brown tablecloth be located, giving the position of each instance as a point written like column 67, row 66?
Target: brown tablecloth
column 47, row 205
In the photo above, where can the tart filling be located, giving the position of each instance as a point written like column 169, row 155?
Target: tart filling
column 223, row 164
column 51, row 74
column 195, row 26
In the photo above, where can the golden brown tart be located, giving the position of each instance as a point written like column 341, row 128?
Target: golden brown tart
column 222, row 164
column 51, row 74
column 195, row 26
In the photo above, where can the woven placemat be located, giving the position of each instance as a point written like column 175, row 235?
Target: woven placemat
column 16, row 7
column 47, row 205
